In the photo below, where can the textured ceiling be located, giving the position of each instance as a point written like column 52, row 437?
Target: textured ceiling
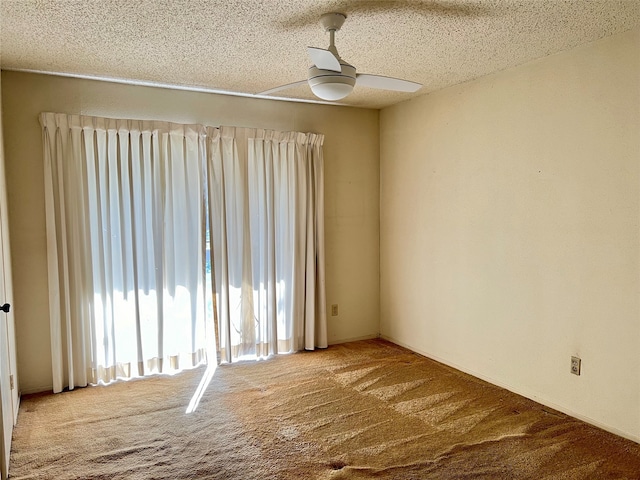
column 248, row 46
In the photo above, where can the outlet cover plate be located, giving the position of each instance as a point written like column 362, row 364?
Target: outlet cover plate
column 575, row 365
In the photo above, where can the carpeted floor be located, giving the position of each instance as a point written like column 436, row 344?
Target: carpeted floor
column 354, row 411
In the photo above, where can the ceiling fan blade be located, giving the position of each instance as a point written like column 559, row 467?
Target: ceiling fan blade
column 324, row 59
column 283, row 87
column 387, row 83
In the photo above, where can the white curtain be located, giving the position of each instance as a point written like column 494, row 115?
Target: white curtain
column 125, row 211
column 135, row 211
column 266, row 221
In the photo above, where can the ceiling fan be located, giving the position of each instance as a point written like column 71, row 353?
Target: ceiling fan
column 331, row 78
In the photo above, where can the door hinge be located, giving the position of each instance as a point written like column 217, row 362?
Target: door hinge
column 11, row 381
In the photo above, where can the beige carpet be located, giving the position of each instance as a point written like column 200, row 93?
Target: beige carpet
column 354, row 411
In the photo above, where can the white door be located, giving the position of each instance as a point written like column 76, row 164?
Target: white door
column 9, row 399
column 8, row 317
column 6, row 404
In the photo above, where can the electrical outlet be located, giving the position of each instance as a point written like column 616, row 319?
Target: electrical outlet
column 575, row 365
column 334, row 310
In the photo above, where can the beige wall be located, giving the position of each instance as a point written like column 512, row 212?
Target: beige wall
column 351, row 191
column 510, row 229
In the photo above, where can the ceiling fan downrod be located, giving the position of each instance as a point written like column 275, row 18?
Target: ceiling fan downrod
column 332, row 22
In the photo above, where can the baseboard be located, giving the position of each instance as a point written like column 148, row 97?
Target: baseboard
column 354, row 339
column 518, row 391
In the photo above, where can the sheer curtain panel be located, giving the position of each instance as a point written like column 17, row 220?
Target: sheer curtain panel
column 266, row 224
column 125, row 212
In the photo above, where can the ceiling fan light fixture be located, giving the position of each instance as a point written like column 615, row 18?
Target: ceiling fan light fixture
column 331, row 91
column 331, row 78
column 332, row 86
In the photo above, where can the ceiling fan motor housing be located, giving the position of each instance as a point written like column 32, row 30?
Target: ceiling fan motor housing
column 330, row 85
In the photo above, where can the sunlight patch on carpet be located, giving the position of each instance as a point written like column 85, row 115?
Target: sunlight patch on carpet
column 202, row 387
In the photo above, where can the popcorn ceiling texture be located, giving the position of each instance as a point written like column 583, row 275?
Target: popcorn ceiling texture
column 248, row 46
